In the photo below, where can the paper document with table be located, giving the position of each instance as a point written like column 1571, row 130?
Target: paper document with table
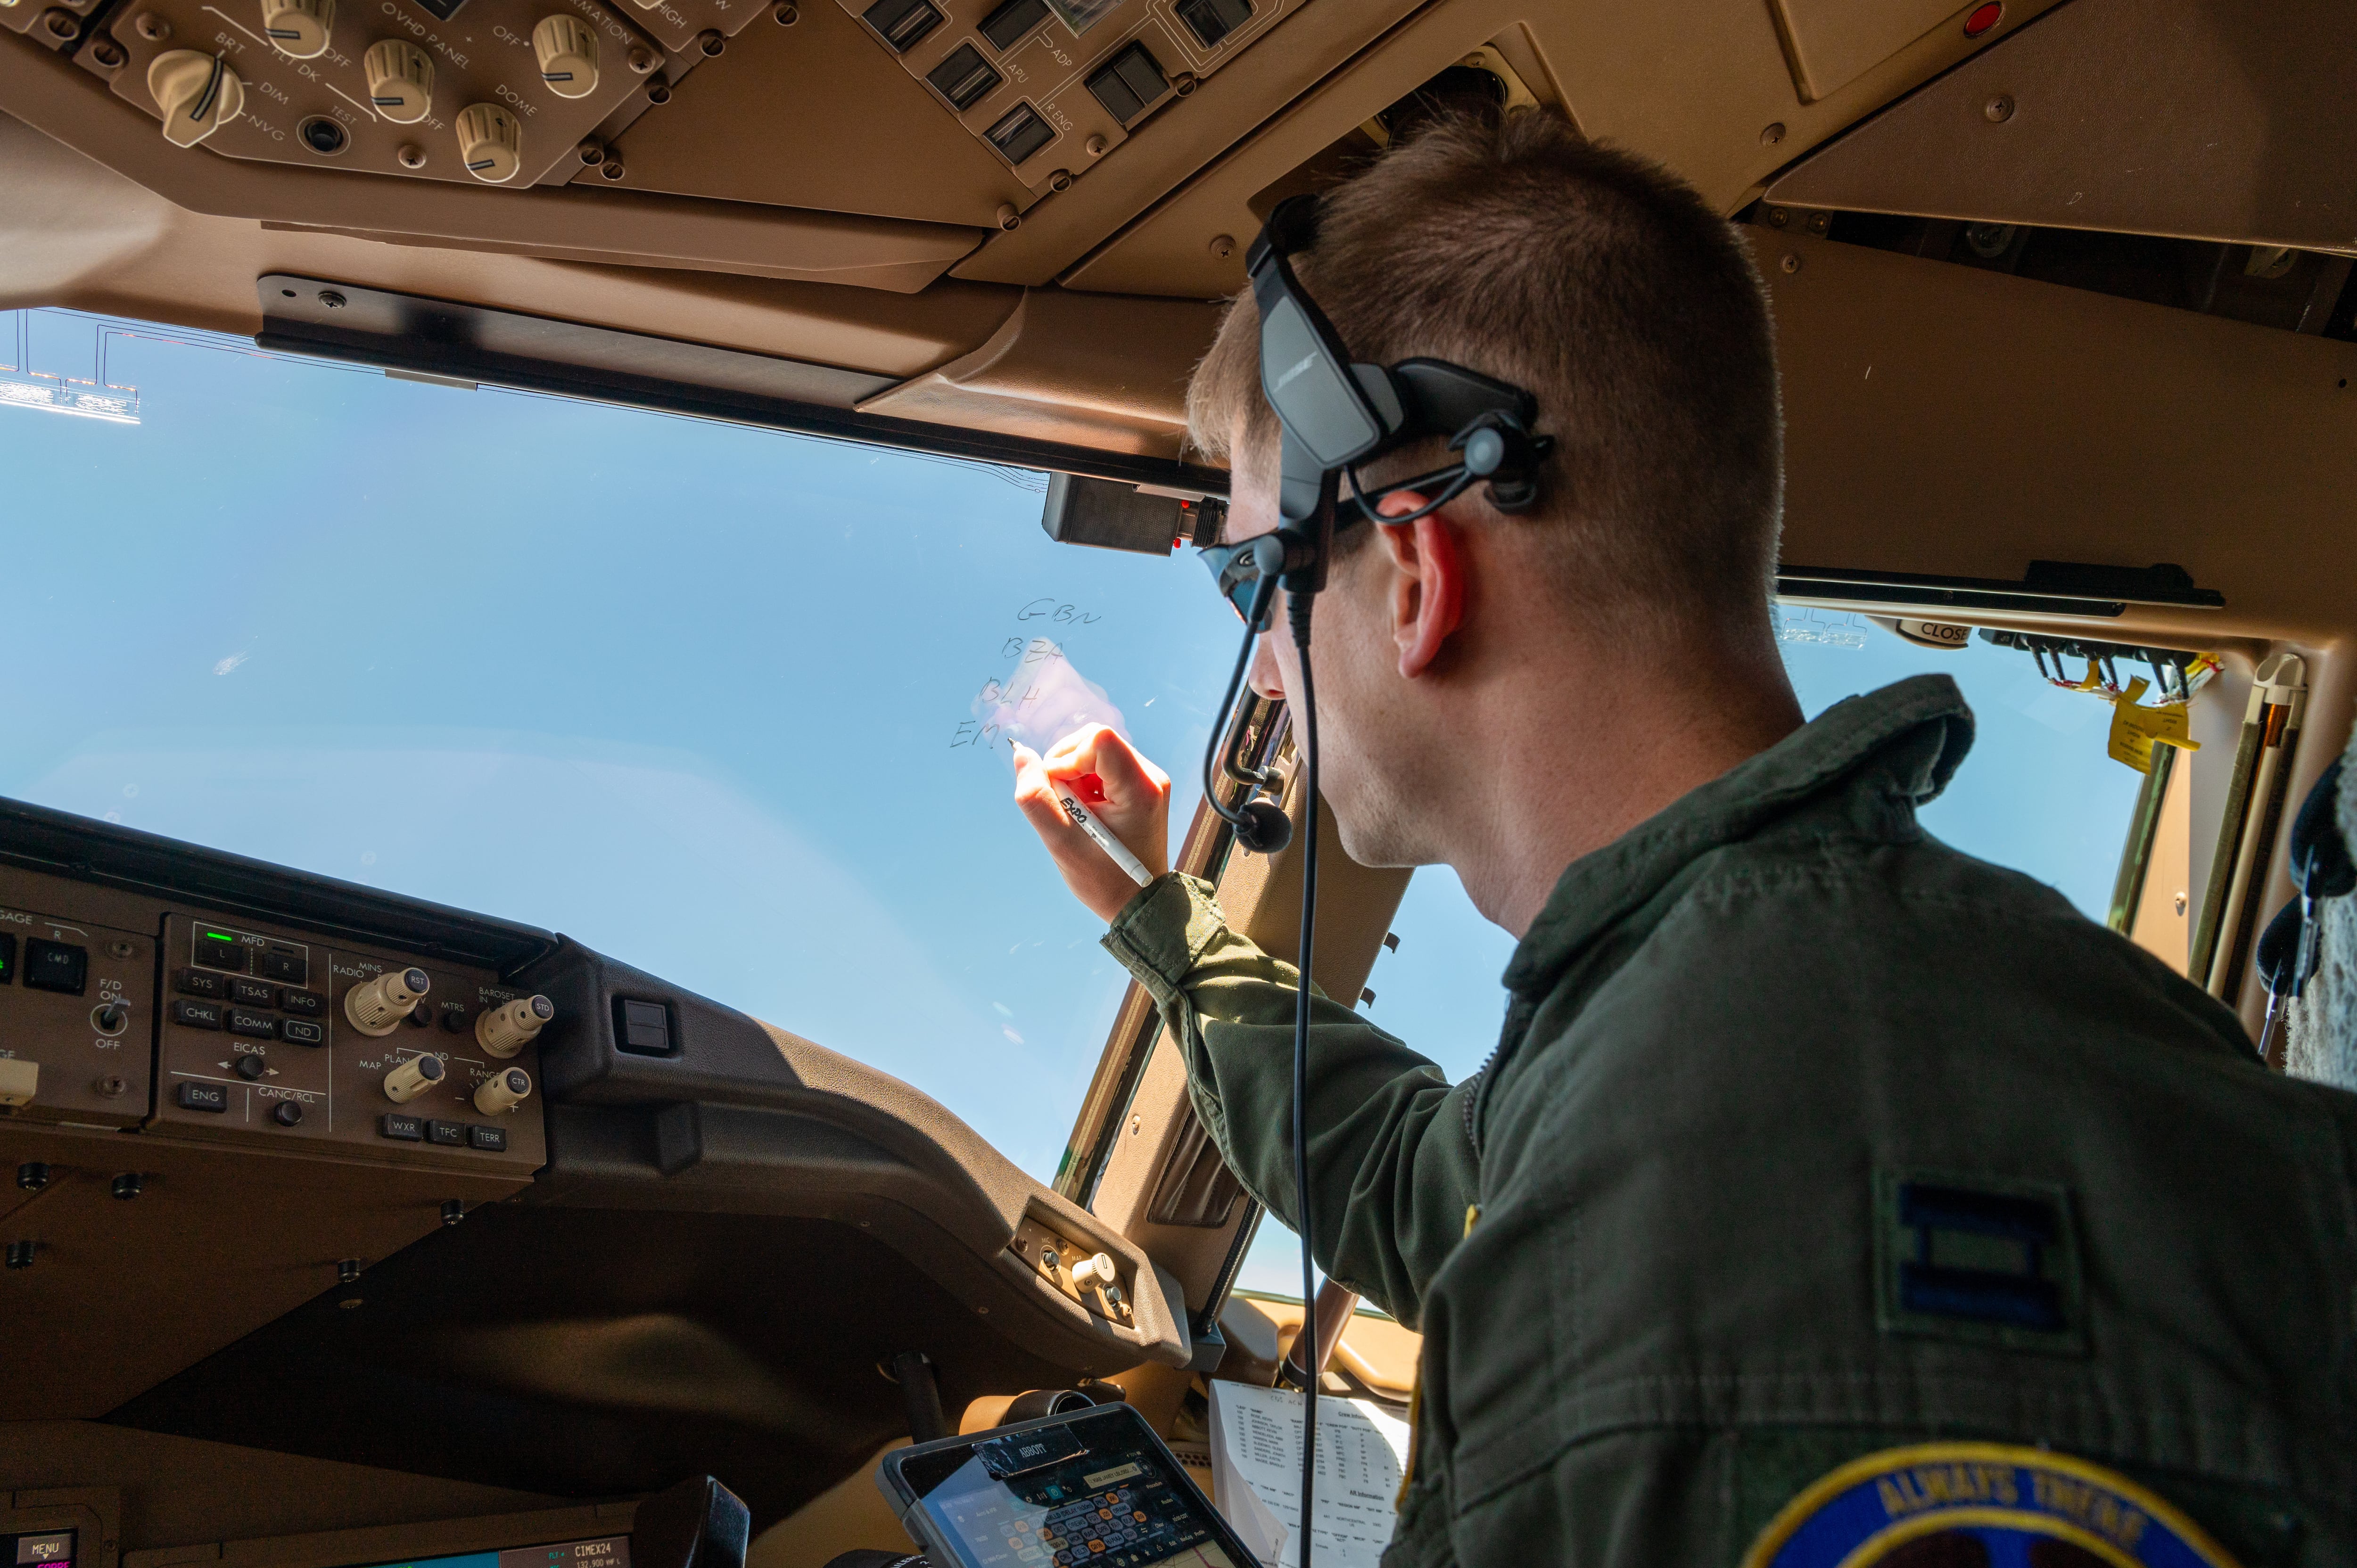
column 1256, row 1473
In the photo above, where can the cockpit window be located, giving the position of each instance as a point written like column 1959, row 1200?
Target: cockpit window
column 727, row 706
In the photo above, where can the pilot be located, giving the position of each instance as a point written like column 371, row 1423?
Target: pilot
column 1831, row 1196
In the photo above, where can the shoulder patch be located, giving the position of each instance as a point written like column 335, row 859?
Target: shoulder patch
column 1976, row 1259
column 1979, row 1505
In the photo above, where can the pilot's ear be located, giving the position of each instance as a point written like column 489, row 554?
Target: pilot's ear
column 1427, row 596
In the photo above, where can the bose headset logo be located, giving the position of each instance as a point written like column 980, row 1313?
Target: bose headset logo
column 1285, row 380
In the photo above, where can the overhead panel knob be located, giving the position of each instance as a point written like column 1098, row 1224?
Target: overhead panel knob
column 412, row 1078
column 491, row 142
column 568, row 56
column 503, row 1092
column 378, row 1006
column 507, row 1029
column 401, row 80
column 197, row 95
column 298, row 28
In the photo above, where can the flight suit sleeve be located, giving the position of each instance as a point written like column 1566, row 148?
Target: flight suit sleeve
column 1392, row 1169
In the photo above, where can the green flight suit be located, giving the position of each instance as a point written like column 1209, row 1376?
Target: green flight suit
column 1740, row 1041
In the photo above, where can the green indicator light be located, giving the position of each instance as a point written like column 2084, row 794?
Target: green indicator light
column 217, row 937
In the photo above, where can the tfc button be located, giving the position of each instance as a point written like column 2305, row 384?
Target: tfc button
column 252, row 992
column 408, row 1129
column 246, row 1021
column 491, row 1140
column 448, row 1135
column 198, row 983
column 309, row 1004
column 301, row 1032
column 197, row 1014
column 213, row 1097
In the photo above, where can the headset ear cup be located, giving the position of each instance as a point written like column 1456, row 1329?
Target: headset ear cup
column 1263, row 829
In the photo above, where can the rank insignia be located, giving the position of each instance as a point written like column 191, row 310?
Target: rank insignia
column 1979, row 1505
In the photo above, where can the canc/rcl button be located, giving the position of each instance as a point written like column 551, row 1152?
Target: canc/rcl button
column 213, row 1097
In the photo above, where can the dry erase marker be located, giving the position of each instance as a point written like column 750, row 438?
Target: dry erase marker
column 1104, row 840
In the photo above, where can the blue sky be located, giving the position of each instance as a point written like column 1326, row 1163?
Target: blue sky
column 712, row 701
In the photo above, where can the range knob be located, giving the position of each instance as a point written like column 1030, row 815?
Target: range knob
column 377, row 1007
column 401, row 80
column 568, row 56
column 196, row 94
column 503, row 1092
column 412, row 1078
column 507, row 1029
column 491, row 142
column 298, row 28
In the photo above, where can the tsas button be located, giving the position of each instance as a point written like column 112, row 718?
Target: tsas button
column 252, row 992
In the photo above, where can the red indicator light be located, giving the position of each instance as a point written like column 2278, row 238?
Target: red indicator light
column 1983, row 18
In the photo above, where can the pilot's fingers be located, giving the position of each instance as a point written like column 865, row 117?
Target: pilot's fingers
column 1091, row 874
column 1034, row 794
column 1126, row 777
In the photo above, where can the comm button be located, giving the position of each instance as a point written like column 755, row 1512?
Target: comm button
column 407, row 1129
column 301, row 1032
column 197, row 1014
column 491, row 1140
column 446, row 1135
column 213, row 1097
column 259, row 1025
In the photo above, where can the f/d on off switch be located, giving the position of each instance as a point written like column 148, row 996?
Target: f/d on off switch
column 399, row 79
column 491, row 142
column 568, row 51
column 503, row 1092
column 377, row 1007
column 507, row 1029
column 412, row 1078
column 196, row 94
column 298, row 28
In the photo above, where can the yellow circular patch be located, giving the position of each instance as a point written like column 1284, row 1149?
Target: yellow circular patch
column 1979, row 1505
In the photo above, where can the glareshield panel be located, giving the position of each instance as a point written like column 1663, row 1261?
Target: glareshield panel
column 731, row 706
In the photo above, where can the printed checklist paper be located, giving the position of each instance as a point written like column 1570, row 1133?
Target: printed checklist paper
column 1256, row 1473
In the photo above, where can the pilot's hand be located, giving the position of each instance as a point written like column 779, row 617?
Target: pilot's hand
column 1119, row 787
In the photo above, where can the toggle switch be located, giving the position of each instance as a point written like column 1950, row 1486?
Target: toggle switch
column 197, row 94
column 376, row 1007
column 19, row 1080
column 399, row 79
column 412, row 1078
column 110, row 1017
column 507, row 1029
column 491, row 142
column 568, row 56
column 503, row 1092
column 298, row 28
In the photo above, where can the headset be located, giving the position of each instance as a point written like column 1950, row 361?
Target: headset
column 1338, row 415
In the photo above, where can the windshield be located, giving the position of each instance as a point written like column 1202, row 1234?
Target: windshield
column 727, row 706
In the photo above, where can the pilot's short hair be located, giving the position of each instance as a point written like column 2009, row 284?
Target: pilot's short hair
column 1606, row 287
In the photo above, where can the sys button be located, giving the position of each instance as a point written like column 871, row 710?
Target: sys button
column 213, row 1097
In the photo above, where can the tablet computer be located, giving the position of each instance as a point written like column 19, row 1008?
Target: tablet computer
column 1094, row 1487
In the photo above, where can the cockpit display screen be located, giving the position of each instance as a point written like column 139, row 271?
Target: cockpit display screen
column 1099, row 1489
column 605, row 1551
column 38, row 1549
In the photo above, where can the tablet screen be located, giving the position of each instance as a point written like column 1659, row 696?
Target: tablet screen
column 1096, row 1490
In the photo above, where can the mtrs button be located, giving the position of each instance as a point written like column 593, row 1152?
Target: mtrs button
column 56, row 966
column 200, row 983
column 491, row 1140
column 246, row 1021
column 213, row 1097
column 252, row 992
column 450, row 1134
column 301, row 1032
column 308, row 1004
column 197, row 1014
column 407, row 1129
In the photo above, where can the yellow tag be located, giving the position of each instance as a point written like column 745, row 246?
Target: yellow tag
column 2137, row 730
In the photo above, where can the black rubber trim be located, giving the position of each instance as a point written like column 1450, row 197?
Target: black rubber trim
column 466, row 342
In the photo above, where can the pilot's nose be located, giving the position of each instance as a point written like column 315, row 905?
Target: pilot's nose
column 1263, row 677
